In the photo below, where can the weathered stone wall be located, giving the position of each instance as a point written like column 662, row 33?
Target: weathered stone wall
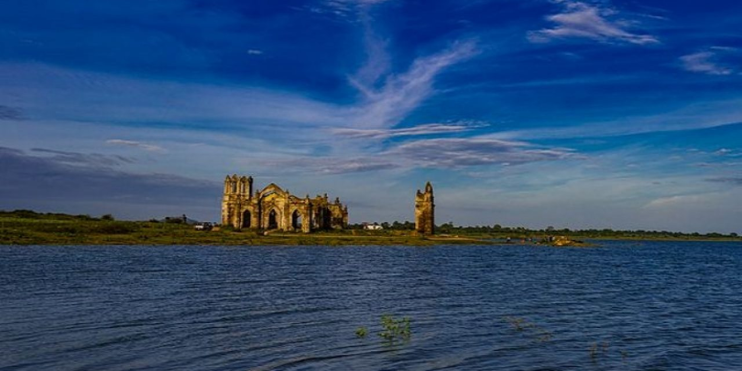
column 425, row 211
column 275, row 208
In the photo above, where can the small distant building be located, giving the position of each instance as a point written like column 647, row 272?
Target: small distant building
column 425, row 211
column 275, row 208
column 372, row 227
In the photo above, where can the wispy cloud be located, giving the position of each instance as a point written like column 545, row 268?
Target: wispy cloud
column 344, row 9
column 135, row 144
column 460, row 152
column 32, row 181
column 728, row 180
column 333, row 165
column 10, row 113
column 387, row 106
column 705, row 62
column 582, row 20
column 696, row 116
column 94, row 160
column 425, row 129
column 254, row 52
column 434, row 153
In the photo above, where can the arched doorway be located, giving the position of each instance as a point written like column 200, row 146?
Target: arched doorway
column 246, row 219
column 323, row 218
column 272, row 220
column 296, row 220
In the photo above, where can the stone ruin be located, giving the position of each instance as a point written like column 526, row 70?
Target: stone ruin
column 425, row 211
column 275, row 208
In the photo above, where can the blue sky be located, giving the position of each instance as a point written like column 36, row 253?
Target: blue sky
column 536, row 113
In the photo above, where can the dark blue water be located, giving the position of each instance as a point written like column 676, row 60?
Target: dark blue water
column 624, row 306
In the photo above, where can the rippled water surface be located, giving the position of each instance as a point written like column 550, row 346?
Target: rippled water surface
column 623, row 306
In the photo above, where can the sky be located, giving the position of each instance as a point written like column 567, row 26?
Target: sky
column 534, row 113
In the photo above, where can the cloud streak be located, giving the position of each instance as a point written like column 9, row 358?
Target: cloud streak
column 387, row 106
column 425, row 129
column 441, row 153
column 135, row 144
column 10, row 113
column 728, row 180
column 461, row 152
column 704, row 62
column 583, row 21
column 77, row 179
column 95, row 160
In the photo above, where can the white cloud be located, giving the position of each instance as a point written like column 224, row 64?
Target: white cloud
column 425, row 129
column 696, row 116
column 704, row 62
column 344, row 8
column 728, row 180
column 332, row 165
column 387, row 106
column 672, row 201
column 460, row 152
column 254, row 52
column 140, row 145
column 723, row 152
column 581, row 20
column 432, row 153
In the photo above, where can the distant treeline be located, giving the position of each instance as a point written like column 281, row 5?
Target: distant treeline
column 522, row 232
column 495, row 231
column 30, row 214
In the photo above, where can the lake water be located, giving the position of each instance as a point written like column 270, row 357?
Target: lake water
column 623, row 306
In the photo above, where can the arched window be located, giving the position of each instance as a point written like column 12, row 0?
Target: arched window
column 272, row 220
column 296, row 220
column 246, row 219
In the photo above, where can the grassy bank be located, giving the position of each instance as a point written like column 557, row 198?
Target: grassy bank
column 30, row 228
column 59, row 229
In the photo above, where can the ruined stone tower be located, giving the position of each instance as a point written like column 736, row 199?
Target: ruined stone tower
column 425, row 211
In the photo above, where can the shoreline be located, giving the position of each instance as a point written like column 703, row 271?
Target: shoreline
column 324, row 239
column 61, row 229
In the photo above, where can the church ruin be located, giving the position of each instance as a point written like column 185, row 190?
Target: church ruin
column 425, row 211
column 275, row 208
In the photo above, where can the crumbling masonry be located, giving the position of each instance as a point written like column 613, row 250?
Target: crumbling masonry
column 274, row 208
column 425, row 211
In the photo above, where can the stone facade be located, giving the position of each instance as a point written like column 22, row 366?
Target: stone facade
column 275, row 208
column 425, row 211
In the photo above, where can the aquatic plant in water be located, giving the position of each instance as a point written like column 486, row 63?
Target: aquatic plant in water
column 520, row 324
column 395, row 328
column 361, row 332
column 391, row 329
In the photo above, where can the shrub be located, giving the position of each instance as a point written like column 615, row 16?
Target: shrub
column 114, row 228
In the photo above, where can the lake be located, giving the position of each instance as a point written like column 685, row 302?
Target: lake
column 622, row 306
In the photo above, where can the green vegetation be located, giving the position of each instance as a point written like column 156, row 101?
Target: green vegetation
column 596, row 350
column 520, row 324
column 25, row 227
column 361, row 332
column 517, row 234
column 394, row 329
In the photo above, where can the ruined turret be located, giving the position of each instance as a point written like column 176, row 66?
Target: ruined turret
column 425, row 211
